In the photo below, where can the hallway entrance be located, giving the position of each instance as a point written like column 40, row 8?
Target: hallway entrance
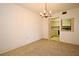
column 54, row 29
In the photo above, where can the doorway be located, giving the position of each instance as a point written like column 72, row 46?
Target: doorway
column 54, row 31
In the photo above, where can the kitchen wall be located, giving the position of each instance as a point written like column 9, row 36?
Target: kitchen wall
column 66, row 36
column 18, row 26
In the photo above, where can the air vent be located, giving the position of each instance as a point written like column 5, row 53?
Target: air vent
column 65, row 12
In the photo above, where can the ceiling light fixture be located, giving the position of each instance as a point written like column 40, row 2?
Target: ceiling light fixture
column 45, row 13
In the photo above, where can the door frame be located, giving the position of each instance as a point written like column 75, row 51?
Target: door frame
column 49, row 36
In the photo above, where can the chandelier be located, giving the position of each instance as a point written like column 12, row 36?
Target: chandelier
column 45, row 13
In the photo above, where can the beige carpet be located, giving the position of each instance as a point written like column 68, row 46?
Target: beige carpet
column 45, row 48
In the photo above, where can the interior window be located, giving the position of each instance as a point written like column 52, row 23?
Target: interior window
column 67, row 24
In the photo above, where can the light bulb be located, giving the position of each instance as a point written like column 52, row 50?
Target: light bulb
column 50, row 12
column 41, row 14
column 44, row 11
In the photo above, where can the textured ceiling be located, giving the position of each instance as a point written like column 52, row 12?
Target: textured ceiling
column 54, row 7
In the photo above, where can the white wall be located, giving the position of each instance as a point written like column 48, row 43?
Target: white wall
column 18, row 26
column 45, row 28
column 70, row 37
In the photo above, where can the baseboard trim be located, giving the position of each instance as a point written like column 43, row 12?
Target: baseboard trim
column 69, row 43
column 44, row 38
column 62, row 42
column 4, row 51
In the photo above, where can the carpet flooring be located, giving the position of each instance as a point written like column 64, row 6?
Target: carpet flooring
column 45, row 48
